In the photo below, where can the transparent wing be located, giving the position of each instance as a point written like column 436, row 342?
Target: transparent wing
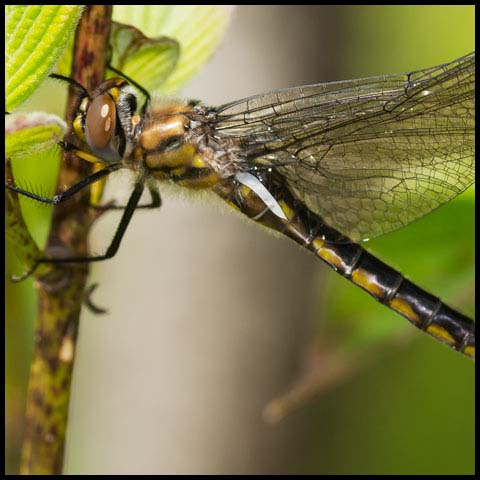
column 368, row 155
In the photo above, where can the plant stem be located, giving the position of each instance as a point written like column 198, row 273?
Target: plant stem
column 60, row 293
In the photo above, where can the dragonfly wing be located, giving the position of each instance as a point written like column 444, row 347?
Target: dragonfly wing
column 368, row 155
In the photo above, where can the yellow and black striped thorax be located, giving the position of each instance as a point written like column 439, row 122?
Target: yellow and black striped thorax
column 173, row 145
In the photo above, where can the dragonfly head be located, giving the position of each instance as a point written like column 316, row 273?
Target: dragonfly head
column 106, row 121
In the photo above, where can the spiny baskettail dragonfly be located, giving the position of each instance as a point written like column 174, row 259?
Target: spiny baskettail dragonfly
column 328, row 165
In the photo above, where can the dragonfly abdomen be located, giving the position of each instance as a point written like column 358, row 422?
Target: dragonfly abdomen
column 391, row 288
column 352, row 261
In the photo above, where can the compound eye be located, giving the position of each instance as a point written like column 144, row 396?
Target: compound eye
column 100, row 124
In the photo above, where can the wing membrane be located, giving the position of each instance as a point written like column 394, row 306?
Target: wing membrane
column 368, row 155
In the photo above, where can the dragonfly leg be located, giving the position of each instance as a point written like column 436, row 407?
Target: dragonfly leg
column 87, row 300
column 72, row 82
column 61, row 197
column 117, row 238
column 156, row 201
column 114, row 244
column 71, row 147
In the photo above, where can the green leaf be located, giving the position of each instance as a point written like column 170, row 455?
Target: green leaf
column 33, row 132
column 137, row 56
column 28, row 136
column 197, row 28
column 35, row 37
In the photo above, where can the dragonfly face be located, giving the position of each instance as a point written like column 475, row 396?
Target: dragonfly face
column 107, row 122
column 327, row 165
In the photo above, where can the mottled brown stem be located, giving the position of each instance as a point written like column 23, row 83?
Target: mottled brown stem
column 60, row 292
column 16, row 229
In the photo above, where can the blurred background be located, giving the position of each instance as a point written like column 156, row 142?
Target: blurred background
column 211, row 318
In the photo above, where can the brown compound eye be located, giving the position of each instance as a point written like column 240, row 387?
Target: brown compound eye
column 100, row 125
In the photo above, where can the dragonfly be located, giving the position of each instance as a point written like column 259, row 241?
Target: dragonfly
column 328, row 165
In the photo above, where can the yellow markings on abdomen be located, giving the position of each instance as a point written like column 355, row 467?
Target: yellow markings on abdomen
column 367, row 281
column 402, row 307
column 203, row 181
column 317, row 244
column 326, row 254
column 232, row 204
column 245, row 191
column 469, row 351
column 439, row 332
column 287, row 210
column 331, row 257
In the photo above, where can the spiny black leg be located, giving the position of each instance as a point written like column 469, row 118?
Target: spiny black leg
column 115, row 243
column 155, row 195
column 70, row 147
column 61, row 197
column 71, row 81
column 156, row 201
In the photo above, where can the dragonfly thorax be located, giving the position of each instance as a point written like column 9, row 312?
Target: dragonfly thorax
column 170, row 152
